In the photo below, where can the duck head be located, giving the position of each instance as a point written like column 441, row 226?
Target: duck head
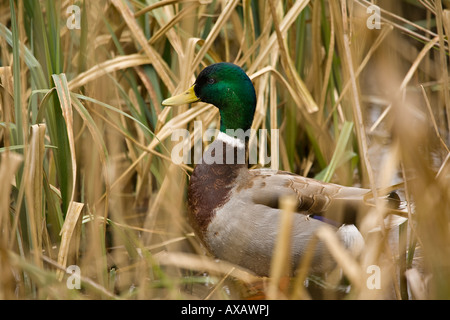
column 227, row 87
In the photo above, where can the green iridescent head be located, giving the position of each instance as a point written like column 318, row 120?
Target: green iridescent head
column 226, row 86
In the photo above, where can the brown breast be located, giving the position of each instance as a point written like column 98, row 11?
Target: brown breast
column 210, row 184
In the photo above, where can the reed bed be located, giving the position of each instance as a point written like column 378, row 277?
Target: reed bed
column 86, row 177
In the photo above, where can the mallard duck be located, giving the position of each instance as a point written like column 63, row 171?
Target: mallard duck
column 235, row 211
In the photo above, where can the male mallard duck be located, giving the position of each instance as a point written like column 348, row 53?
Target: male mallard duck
column 235, row 210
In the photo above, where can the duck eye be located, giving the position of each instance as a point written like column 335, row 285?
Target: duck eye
column 211, row 81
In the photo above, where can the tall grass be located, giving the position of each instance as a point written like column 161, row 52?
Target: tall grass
column 86, row 177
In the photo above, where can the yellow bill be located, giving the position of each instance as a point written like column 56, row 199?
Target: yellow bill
column 186, row 97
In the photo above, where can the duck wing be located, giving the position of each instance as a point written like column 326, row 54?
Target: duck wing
column 331, row 203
